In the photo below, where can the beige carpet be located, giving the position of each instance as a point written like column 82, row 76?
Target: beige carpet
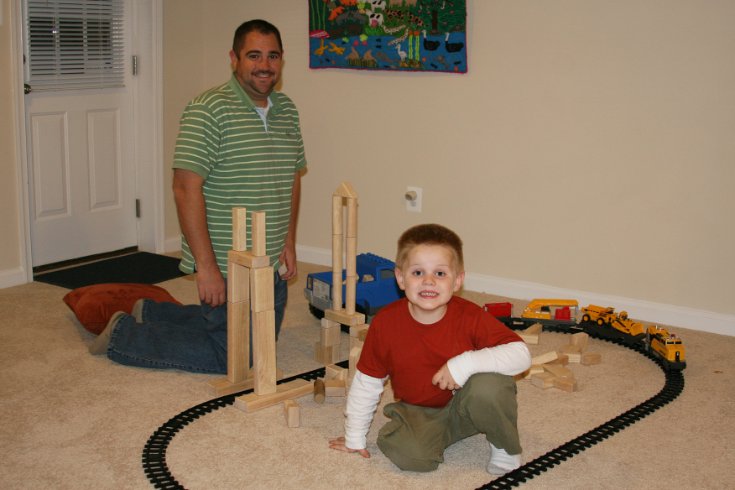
column 74, row 421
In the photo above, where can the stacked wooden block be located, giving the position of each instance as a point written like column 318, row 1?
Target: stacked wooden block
column 550, row 369
column 326, row 349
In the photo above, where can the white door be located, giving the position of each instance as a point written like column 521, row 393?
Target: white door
column 82, row 174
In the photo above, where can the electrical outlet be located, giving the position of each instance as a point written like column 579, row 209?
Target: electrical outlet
column 414, row 199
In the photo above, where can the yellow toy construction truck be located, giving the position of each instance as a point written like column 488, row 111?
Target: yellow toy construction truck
column 605, row 316
column 602, row 315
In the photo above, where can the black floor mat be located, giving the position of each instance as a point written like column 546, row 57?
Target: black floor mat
column 139, row 267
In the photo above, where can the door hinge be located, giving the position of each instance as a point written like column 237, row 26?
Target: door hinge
column 135, row 65
column 137, row 208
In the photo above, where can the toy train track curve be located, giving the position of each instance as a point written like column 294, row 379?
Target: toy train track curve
column 154, row 452
column 673, row 387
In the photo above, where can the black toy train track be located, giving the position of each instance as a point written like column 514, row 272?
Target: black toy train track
column 154, row 452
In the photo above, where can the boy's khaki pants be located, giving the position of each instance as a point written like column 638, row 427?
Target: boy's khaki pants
column 415, row 438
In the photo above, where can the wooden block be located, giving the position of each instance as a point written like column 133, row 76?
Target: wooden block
column 238, row 323
column 293, row 389
column 357, row 335
column 223, row 386
column 335, row 387
column 257, row 233
column 238, row 341
column 574, row 358
column 350, row 294
column 291, row 412
column 543, row 380
column 329, row 323
column 580, row 339
column 247, row 259
column 559, row 371
column 332, row 371
column 565, row 384
column 239, row 229
column 536, row 369
column 330, row 333
column 326, row 354
column 562, row 360
column 343, row 318
column 528, row 338
column 570, row 349
column 264, row 352
column 591, row 358
column 572, row 352
column 345, row 189
column 544, row 358
column 261, row 289
column 351, row 217
column 238, row 283
column 534, row 329
column 320, row 390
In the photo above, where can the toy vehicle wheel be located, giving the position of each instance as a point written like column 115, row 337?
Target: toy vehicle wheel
column 585, row 318
column 319, row 314
column 600, row 322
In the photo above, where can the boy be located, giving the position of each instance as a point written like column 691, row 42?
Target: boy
column 450, row 363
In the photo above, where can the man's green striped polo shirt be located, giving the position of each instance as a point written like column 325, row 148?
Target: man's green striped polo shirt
column 222, row 138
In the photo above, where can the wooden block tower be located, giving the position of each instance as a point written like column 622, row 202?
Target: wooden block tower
column 343, row 245
column 250, row 293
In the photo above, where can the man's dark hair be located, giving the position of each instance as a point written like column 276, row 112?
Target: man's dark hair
column 259, row 25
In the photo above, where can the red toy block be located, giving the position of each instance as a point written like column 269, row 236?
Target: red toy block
column 499, row 309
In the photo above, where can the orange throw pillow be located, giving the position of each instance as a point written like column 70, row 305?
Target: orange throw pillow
column 94, row 305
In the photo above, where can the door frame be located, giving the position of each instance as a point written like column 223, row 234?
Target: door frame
column 147, row 134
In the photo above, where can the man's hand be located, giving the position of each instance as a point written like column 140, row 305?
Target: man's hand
column 211, row 286
column 443, row 379
column 339, row 445
column 288, row 259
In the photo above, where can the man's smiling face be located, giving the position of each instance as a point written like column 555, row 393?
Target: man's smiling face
column 258, row 66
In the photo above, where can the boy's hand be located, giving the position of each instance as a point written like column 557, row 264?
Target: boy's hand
column 339, row 445
column 443, row 380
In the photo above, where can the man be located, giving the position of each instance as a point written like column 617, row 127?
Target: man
column 239, row 144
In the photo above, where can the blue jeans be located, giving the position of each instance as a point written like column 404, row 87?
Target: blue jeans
column 186, row 337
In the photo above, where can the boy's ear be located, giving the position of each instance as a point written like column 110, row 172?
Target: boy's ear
column 458, row 281
column 399, row 278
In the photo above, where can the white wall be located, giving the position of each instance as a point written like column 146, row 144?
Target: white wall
column 588, row 151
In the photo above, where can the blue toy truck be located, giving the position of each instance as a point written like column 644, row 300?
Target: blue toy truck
column 376, row 287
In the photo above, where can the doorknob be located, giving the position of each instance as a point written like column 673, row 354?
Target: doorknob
column 27, row 89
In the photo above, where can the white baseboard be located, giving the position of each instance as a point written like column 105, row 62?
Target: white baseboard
column 13, row 277
column 646, row 311
column 313, row 255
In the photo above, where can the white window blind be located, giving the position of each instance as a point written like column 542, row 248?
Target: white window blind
column 74, row 44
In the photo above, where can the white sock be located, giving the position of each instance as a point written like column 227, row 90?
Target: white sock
column 501, row 462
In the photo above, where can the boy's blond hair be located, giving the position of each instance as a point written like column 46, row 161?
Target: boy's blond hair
column 429, row 234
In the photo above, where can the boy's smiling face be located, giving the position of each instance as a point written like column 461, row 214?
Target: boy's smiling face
column 430, row 278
